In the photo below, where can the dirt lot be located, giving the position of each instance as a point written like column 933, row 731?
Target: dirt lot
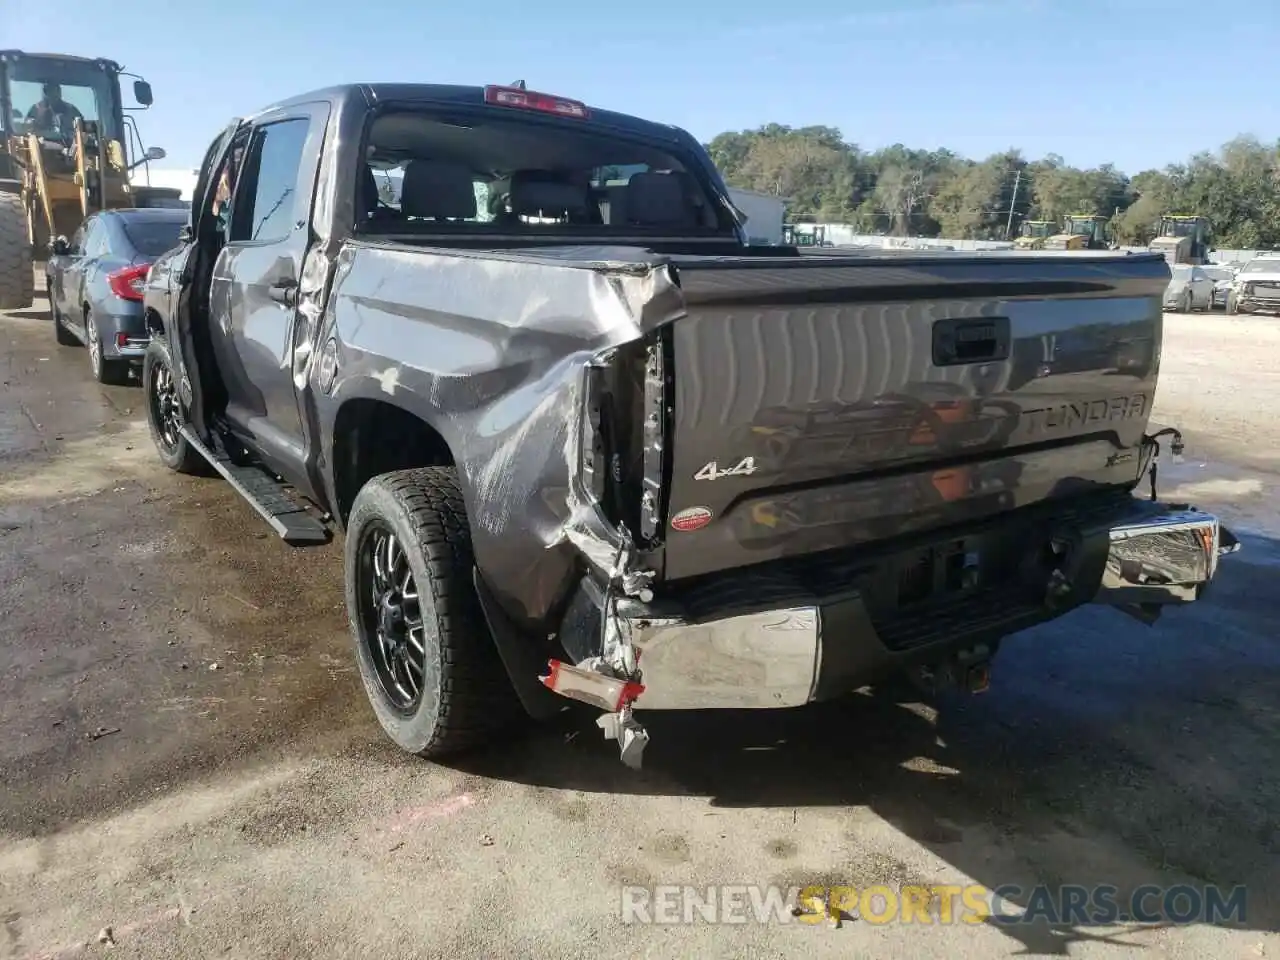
column 188, row 758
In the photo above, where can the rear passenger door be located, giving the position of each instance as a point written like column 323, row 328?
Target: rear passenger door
column 255, row 284
column 92, row 244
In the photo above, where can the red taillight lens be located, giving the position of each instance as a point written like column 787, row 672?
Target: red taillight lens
column 529, row 100
column 127, row 284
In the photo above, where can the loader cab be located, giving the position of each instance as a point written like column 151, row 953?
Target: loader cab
column 92, row 87
column 1183, row 239
column 1033, row 233
column 1088, row 232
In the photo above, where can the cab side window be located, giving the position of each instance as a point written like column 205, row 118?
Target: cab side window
column 264, row 206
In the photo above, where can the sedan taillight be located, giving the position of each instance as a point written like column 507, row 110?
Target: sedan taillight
column 128, row 284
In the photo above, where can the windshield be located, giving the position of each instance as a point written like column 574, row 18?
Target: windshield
column 1080, row 227
column 1178, row 228
column 488, row 172
column 47, row 95
column 1034, row 229
column 152, row 237
column 1181, row 272
column 1271, row 265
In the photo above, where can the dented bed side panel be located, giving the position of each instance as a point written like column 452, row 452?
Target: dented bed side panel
column 490, row 351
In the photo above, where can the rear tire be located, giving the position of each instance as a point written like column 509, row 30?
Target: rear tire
column 165, row 414
column 462, row 695
column 17, row 278
column 105, row 370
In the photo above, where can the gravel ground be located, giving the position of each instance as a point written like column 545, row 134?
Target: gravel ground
column 189, row 760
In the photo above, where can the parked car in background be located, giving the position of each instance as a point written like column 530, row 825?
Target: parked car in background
column 1189, row 289
column 1221, row 277
column 1256, row 287
column 95, row 280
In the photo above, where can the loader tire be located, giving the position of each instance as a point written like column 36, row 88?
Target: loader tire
column 17, row 278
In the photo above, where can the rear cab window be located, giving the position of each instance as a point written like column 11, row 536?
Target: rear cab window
column 492, row 170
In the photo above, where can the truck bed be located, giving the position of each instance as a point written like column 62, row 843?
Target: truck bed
column 809, row 402
column 876, row 397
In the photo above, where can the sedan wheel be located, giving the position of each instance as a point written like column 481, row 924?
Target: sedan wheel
column 104, row 370
column 94, row 343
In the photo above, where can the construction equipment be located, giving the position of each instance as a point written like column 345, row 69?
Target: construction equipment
column 1033, row 233
column 1183, row 239
column 804, row 235
column 1082, row 231
column 67, row 148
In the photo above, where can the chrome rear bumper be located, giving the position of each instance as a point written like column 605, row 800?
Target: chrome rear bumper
column 1156, row 555
column 1167, row 556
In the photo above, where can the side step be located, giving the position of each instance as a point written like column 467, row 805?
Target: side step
column 267, row 495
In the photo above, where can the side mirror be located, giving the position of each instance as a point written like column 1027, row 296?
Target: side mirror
column 156, row 153
column 60, row 247
column 142, row 93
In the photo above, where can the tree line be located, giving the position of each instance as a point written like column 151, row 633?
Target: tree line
column 902, row 191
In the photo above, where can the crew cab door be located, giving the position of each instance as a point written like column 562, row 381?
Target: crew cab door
column 253, row 295
column 185, row 274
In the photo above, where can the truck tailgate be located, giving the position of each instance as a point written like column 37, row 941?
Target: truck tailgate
column 825, row 402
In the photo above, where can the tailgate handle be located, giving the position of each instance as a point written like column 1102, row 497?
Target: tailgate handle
column 971, row 340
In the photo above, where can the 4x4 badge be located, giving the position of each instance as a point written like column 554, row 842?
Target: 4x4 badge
column 711, row 471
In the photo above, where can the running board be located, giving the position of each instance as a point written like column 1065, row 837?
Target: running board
column 265, row 494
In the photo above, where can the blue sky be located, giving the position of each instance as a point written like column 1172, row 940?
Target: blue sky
column 1141, row 83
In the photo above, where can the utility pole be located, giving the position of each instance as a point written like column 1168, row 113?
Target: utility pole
column 1008, row 228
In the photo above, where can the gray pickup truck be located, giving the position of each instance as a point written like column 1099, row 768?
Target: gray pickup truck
column 583, row 442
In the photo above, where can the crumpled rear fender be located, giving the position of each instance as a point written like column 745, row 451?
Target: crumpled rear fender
column 489, row 350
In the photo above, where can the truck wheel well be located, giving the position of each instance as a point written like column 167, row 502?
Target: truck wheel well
column 372, row 437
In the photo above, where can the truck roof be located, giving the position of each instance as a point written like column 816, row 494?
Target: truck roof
column 447, row 94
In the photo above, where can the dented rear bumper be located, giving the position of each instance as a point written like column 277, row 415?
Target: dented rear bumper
column 1139, row 557
column 1163, row 555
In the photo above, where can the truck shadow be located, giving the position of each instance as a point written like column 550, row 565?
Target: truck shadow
column 1105, row 753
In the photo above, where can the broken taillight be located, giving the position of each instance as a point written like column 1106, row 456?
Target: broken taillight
column 529, row 100
column 653, row 440
column 608, row 693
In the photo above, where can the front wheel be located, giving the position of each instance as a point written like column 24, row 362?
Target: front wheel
column 1187, row 303
column 17, row 279
column 430, row 666
column 165, row 417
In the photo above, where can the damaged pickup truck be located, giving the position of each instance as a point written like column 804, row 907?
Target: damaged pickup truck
column 583, row 442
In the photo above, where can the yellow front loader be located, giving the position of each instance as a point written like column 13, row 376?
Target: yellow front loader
column 1081, row 232
column 64, row 154
column 1033, row 233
